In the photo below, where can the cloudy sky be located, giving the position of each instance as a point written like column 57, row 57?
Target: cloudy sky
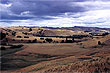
column 55, row 13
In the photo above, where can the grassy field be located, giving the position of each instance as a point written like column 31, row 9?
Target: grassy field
column 44, row 56
column 81, row 55
column 30, row 54
column 97, row 60
column 53, row 48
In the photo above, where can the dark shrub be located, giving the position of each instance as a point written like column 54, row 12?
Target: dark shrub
column 2, row 35
column 9, row 30
column 43, row 41
column 3, row 48
column 41, row 38
column 34, row 41
column 49, row 40
column 19, row 37
column 26, row 37
column 14, row 33
column 13, row 39
column 30, row 29
column 40, row 32
column 29, row 41
column 62, row 41
column 16, row 46
column 99, row 43
column 104, row 34
column 3, row 43
column 6, row 39
column 56, row 42
column 25, row 33
column 6, row 33
column 69, row 41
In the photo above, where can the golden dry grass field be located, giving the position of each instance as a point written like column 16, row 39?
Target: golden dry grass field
column 84, row 55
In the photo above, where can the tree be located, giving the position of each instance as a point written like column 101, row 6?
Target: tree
column 49, row 40
column 41, row 38
column 104, row 34
column 6, row 33
column 26, row 36
column 73, row 39
column 99, row 43
column 62, row 41
column 3, row 48
column 34, row 41
column 30, row 29
column 14, row 33
column 13, row 39
column 2, row 35
column 25, row 33
column 29, row 41
column 19, row 37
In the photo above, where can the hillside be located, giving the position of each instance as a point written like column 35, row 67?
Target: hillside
column 81, row 28
column 48, row 50
column 97, row 60
column 42, row 31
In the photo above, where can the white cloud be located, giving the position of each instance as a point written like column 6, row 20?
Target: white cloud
column 4, row 7
column 25, row 13
column 91, row 5
column 96, row 16
column 100, row 18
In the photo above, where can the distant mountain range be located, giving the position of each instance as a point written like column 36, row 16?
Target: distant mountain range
column 80, row 28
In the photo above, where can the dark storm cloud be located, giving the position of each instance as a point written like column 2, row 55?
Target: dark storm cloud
column 45, row 7
column 4, row 1
column 41, row 7
column 53, row 12
column 14, row 17
column 11, row 17
column 5, row 15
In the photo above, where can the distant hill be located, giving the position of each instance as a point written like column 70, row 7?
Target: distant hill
column 81, row 28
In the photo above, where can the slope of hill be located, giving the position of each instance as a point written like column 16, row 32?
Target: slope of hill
column 95, row 61
column 89, row 54
column 13, row 32
column 80, row 28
